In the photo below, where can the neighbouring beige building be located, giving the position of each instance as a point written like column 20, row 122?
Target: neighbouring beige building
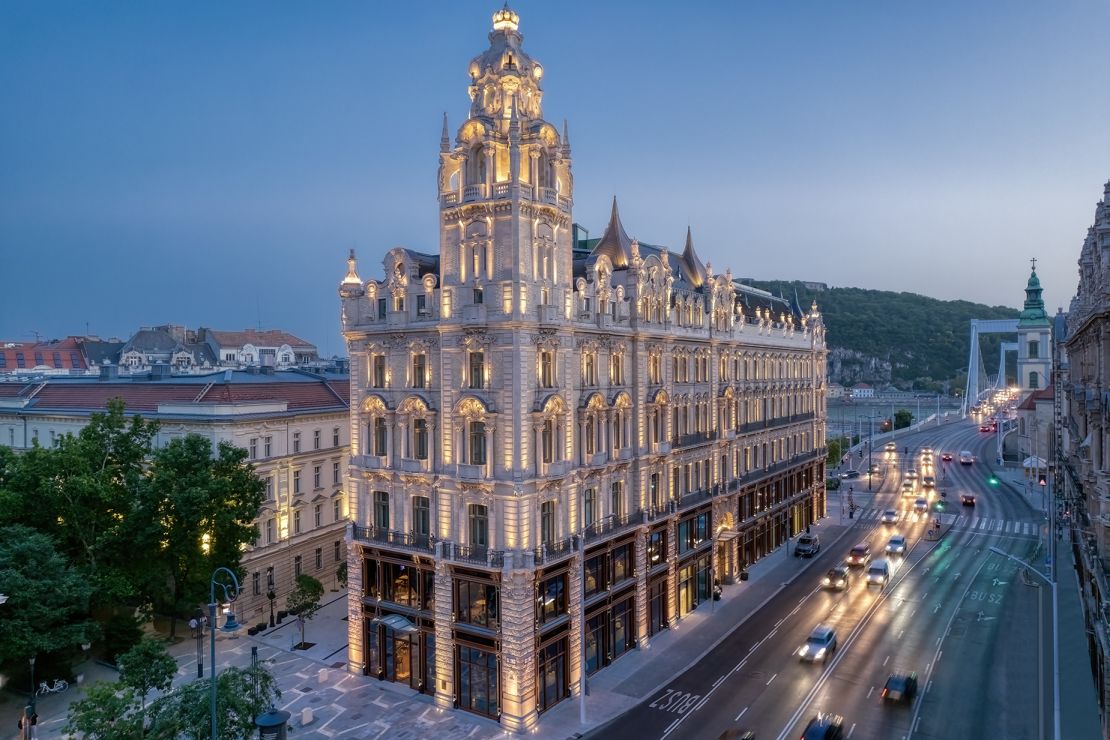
column 558, row 443
column 294, row 426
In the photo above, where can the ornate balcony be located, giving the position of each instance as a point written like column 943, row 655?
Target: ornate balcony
column 613, row 525
column 371, row 535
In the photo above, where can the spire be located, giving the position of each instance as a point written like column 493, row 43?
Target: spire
column 352, row 283
column 614, row 243
column 692, row 267
column 1033, row 313
column 444, row 139
column 566, row 136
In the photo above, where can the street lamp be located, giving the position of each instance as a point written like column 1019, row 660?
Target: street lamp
column 32, row 662
column 271, row 596
column 1051, row 581
column 230, row 594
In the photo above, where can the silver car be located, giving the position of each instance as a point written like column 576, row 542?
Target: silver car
column 820, row 645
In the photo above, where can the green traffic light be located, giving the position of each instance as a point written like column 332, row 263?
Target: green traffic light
column 994, row 481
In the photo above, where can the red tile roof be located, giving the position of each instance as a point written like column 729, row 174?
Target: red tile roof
column 265, row 338
column 1044, row 394
column 60, row 354
column 298, row 395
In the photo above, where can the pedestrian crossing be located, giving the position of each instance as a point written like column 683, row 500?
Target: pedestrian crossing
column 981, row 524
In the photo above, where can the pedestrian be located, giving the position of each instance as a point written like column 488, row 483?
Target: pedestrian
column 203, row 624
column 34, row 726
column 193, row 626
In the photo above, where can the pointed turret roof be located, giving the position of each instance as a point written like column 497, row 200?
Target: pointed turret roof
column 614, row 243
column 1033, row 314
column 692, row 268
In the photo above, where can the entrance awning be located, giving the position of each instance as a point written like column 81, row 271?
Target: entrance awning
column 397, row 623
column 727, row 536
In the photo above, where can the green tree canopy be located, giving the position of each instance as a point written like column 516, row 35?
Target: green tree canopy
column 304, row 601
column 107, row 712
column 147, row 667
column 241, row 695
column 47, row 599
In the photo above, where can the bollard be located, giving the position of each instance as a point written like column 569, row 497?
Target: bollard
column 323, row 676
column 306, row 716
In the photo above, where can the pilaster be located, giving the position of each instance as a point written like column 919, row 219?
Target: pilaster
column 518, row 651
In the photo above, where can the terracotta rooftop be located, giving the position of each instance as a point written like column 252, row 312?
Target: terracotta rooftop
column 59, row 354
column 263, row 338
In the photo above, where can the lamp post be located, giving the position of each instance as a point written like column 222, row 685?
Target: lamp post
column 32, row 662
column 230, row 594
column 271, row 596
column 870, row 441
column 1050, row 579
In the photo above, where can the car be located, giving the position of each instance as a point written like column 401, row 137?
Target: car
column 890, row 447
column 859, row 555
column 825, row 726
column 850, row 475
column 820, row 645
column 947, row 457
column 900, row 687
column 928, row 481
column 927, row 451
column 879, row 573
column 966, row 458
column 837, row 578
column 907, row 488
column 984, row 427
column 737, row 735
column 873, row 469
column 967, row 499
column 921, row 505
column 897, row 545
column 912, row 473
column 808, row 546
column 890, row 516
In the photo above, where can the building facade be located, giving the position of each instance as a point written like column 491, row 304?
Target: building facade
column 294, row 427
column 1082, row 480
column 558, row 444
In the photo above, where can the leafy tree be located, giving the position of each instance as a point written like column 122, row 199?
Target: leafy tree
column 144, row 668
column 121, row 633
column 341, row 574
column 902, row 418
column 82, row 494
column 305, row 600
column 241, row 695
column 107, row 712
column 195, row 514
column 834, row 452
column 47, row 599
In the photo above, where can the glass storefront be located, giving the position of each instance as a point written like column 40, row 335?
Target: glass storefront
column 477, row 678
column 551, row 674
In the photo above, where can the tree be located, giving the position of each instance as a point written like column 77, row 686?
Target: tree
column 834, row 452
column 82, row 493
column 241, row 695
column 47, row 599
column 902, row 418
column 144, row 668
column 341, row 574
column 107, row 712
column 305, row 600
column 196, row 514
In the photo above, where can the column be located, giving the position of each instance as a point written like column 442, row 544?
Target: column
column 642, row 638
column 518, row 650
column 356, row 636
column 445, row 643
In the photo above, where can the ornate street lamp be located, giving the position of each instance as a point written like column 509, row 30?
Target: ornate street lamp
column 271, row 596
column 231, row 592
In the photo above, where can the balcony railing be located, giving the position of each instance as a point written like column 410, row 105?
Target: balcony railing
column 474, row 192
column 406, row 540
column 475, row 555
column 697, row 497
column 611, row 525
column 471, row 472
column 553, row 552
column 368, row 462
column 695, row 438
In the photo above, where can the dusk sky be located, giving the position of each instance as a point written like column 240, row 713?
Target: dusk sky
column 210, row 163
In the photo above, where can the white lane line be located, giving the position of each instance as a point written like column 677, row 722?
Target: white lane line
column 853, row 729
column 870, row 691
column 741, row 714
column 719, row 680
column 885, row 661
column 913, row 612
column 937, row 659
column 739, row 665
column 928, row 687
column 772, row 634
column 772, row 678
column 903, row 631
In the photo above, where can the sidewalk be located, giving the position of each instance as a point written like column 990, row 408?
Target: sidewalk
column 345, row 705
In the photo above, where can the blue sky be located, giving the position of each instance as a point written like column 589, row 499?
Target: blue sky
column 210, row 163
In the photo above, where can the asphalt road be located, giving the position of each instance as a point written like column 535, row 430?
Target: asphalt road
column 963, row 618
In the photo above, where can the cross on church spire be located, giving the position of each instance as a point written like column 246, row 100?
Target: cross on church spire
column 1034, row 261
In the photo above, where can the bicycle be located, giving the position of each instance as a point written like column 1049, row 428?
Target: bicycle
column 59, row 686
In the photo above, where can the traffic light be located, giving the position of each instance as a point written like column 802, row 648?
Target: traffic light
column 993, row 480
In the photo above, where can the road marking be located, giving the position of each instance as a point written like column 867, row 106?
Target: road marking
column 718, row 681
column 902, row 633
column 938, row 641
column 741, row 714
column 928, row 687
column 771, row 635
column 853, row 729
column 913, row 612
column 739, row 665
column 870, row 691
column 937, row 609
column 772, row 678
column 885, row 661
column 937, row 659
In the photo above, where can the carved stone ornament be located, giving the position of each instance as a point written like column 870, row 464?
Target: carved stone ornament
column 546, row 337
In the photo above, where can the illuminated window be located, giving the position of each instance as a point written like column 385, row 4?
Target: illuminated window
column 378, row 375
column 478, row 518
column 477, row 451
column 547, row 369
column 477, row 370
column 418, row 370
column 381, row 509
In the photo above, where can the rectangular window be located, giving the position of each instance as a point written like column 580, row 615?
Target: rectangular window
column 256, row 583
column 297, row 566
column 589, row 507
column 421, row 305
column 617, row 369
column 379, row 436
column 19, row 361
column 297, row 521
column 381, row 308
column 479, row 296
column 418, row 370
column 378, row 376
column 657, row 548
column 594, row 578
column 335, row 473
column 336, row 510
column 38, row 359
column 316, row 439
column 1034, row 349
column 479, row 525
column 421, row 516
column 589, row 369
column 269, row 488
column 318, row 515
column 254, row 448
column 547, row 522
column 547, row 441
column 420, row 439
column 623, row 559
column 319, row 558
column 381, row 509
column 296, row 442
column 296, row 481
column 336, row 551
column 477, row 443
column 477, row 603
column 269, row 531
column 335, row 437
column 477, row 370
column 74, row 360
column 316, row 478
column 267, row 446
column 616, row 499
column 547, row 369
column 552, row 598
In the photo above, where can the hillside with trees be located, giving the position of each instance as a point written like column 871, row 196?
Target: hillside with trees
column 909, row 340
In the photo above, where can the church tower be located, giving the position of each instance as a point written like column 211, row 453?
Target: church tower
column 505, row 191
column 1034, row 364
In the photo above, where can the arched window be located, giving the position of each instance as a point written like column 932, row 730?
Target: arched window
column 1034, row 380
column 476, row 166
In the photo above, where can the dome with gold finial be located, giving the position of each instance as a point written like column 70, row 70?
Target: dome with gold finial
column 506, row 19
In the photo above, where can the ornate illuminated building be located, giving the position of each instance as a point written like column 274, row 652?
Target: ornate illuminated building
column 558, row 443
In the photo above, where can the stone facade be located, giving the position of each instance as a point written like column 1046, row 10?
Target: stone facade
column 1083, row 475
column 558, row 444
